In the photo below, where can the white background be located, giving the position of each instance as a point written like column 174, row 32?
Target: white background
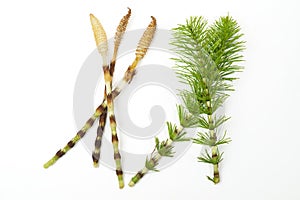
column 44, row 43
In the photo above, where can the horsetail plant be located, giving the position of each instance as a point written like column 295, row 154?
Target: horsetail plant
column 101, row 42
column 165, row 148
column 102, row 120
column 208, row 58
column 100, row 111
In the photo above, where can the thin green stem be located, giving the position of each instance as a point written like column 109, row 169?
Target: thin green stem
column 163, row 149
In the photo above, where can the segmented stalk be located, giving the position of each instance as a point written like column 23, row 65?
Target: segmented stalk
column 102, row 121
column 142, row 48
column 101, row 42
column 214, row 148
column 138, row 176
column 140, row 53
column 128, row 76
column 212, row 137
column 150, row 165
column 101, row 109
column 156, row 155
column 102, row 46
column 154, row 159
column 98, row 140
column 80, row 134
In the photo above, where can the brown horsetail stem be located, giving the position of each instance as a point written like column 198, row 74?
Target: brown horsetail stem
column 98, row 140
column 102, row 121
column 101, row 42
column 101, row 110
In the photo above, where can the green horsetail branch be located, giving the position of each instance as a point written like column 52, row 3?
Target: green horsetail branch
column 165, row 148
column 102, row 120
column 208, row 59
column 101, row 109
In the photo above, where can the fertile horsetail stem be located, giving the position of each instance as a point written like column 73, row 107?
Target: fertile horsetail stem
column 102, row 121
column 118, row 37
column 101, row 42
column 144, row 42
column 146, row 39
column 100, row 38
column 140, row 52
column 128, row 76
column 100, row 110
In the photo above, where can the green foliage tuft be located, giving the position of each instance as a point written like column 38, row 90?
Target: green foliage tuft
column 186, row 119
column 163, row 148
column 208, row 58
column 151, row 163
column 204, row 138
column 207, row 158
column 175, row 135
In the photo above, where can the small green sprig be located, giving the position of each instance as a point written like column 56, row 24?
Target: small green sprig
column 208, row 59
column 151, row 163
column 165, row 148
column 174, row 133
column 186, row 119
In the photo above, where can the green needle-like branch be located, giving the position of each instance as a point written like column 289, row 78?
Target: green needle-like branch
column 162, row 149
column 208, row 58
column 166, row 148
